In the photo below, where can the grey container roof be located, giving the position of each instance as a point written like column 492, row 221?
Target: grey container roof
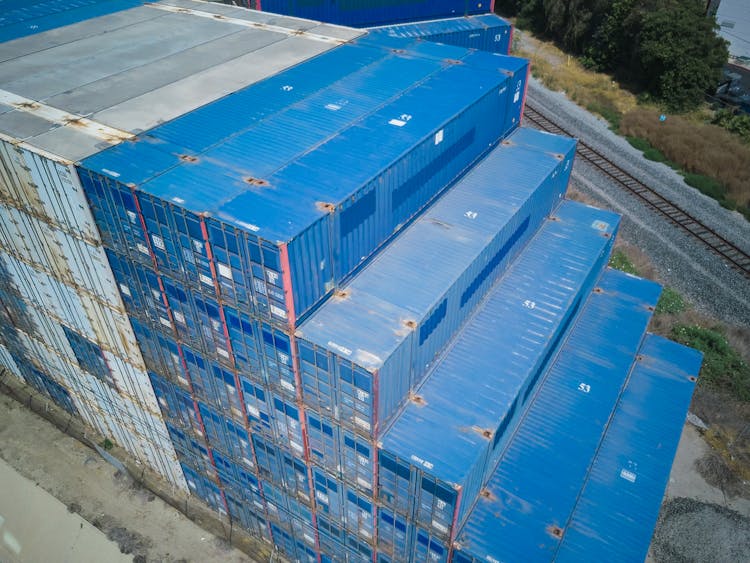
column 78, row 89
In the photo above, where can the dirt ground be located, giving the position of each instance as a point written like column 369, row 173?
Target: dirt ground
column 141, row 524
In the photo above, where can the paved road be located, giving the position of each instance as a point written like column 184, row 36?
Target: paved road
column 35, row 527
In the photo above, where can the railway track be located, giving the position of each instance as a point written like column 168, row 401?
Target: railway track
column 734, row 256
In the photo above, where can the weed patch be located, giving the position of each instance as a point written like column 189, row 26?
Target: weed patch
column 723, row 367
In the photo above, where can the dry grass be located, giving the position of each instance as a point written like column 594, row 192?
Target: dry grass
column 561, row 72
column 699, row 148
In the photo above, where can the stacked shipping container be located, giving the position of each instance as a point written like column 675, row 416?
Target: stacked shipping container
column 363, row 13
column 274, row 297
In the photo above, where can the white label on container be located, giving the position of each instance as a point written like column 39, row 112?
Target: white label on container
column 362, row 395
column 365, row 533
column 397, row 122
column 125, row 289
column 158, row 242
column 182, row 380
column 362, row 460
column 585, row 387
column 360, row 422
column 254, row 228
column 295, row 446
column 439, row 137
column 248, row 462
column 258, row 503
column 111, row 173
column 287, row 385
column 278, row 311
column 260, row 286
column 438, row 526
column 321, row 496
column 253, row 411
column 178, row 200
column 471, row 214
column 222, row 352
column 516, row 97
column 225, row 271
column 272, row 276
column 600, row 225
column 216, row 325
column 340, row 348
column 142, row 248
column 628, row 475
column 165, row 322
column 419, row 460
column 163, row 401
column 363, row 482
column 179, row 317
column 155, row 294
column 205, row 279
column 333, row 107
column 309, row 539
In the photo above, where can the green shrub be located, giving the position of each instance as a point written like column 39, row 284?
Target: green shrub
column 619, row 261
column 723, row 367
column 670, row 302
column 107, row 444
column 737, row 123
column 706, row 185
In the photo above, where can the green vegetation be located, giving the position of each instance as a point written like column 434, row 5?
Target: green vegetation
column 737, row 123
column 670, row 302
column 723, row 367
column 107, row 444
column 620, row 261
column 648, row 151
column 666, row 49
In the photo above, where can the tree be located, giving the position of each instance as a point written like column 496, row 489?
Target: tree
column 678, row 52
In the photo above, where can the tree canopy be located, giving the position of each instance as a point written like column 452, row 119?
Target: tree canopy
column 668, row 49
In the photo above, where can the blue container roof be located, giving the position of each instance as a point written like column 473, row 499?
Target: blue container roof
column 19, row 18
column 268, row 157
column 499, row 347
column 433, row 252
column 442, row 26
column 618, row 507
column 544, row 465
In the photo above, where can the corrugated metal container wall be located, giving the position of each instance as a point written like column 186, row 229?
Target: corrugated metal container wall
column 7, row 360
column 362, row 13
column 445, row 449
column 465, row 241
column 392, row 140
column 125, row 72
column 588, row 407
column 29, row 17
column 52, row 257
column 486, row 33
column 625, row 484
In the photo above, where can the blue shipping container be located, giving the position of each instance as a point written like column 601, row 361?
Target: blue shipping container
column 571, row 410
column 486, row 32
column 362, row 13
column 231, row 199
column 363, row 351
column 626, row 483
column 448, row 447
column 29, row 17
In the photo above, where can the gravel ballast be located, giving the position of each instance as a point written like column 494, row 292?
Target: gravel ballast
column 681, row 261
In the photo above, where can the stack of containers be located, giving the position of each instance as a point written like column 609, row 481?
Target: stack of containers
column 70, row 93
column 487, row 32
column 364, row 13
column 230, row 233
column 320, row 316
